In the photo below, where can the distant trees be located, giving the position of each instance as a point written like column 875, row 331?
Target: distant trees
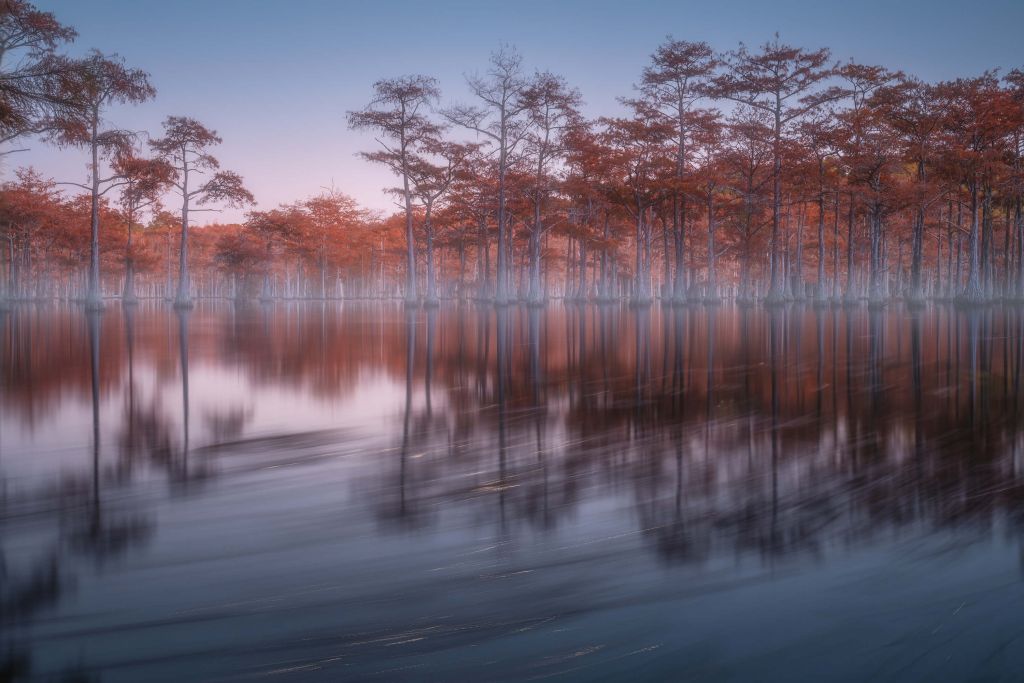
column 145, row 181
column 708, row 184
column 916, row 120
column 815, row 139
column 271, row 229
column 747, row 165
column 639, row 173
column 32, row 212
column 977, row 129
column 330, row 219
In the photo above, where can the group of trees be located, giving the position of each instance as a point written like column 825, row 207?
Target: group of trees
column 731, row 171
column 66, row 101
column 774, row 173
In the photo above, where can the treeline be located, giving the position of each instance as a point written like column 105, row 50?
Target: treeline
column 322, row 246
column 775, row 173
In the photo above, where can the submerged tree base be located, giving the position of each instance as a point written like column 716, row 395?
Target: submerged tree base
column 94, row 304
column 915, row 302
column 965, row 301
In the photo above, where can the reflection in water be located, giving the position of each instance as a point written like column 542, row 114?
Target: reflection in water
column 183, row 315
column 503, row 493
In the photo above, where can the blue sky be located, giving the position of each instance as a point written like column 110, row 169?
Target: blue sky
column 276, row 78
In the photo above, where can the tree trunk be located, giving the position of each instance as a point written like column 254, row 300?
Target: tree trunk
column 94, row 297
column 851, row 294
column 410, row 238
column 877, row 290
column 184, row 297
column 1019, row 221
column 639, row 290
column 798, row 261
column 430, row 296
column 973, row 289
column 501, row 289
column 712, row 292
column 605, row 287
column 775, row 291
column 128, row 296
column 835, row 251
column 534, row 294
column 821, row 288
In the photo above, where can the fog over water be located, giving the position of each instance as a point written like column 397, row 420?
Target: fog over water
column 328, row 491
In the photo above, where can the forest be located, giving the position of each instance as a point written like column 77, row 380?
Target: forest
column 774, row 173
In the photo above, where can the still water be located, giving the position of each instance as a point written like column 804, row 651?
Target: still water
column 350, row 491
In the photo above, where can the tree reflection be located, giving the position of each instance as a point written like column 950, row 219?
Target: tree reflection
column 723, row 431
column 103, row 533
column 183, row 316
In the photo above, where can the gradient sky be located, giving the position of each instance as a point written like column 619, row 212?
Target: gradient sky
column 276, row 78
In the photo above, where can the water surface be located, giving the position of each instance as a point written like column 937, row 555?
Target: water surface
column 352, row 491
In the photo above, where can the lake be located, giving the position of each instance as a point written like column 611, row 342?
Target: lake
column 326, row 491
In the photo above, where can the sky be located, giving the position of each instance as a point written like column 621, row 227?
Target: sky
column 275, row 79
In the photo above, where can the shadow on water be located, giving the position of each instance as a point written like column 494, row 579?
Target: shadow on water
column 381, row 493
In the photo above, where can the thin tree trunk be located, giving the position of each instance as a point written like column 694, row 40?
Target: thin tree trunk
column 851, row 293
column 128, row 296
column 184, row 297
column 973, row 290
column 712, row 293
column 94, row 297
